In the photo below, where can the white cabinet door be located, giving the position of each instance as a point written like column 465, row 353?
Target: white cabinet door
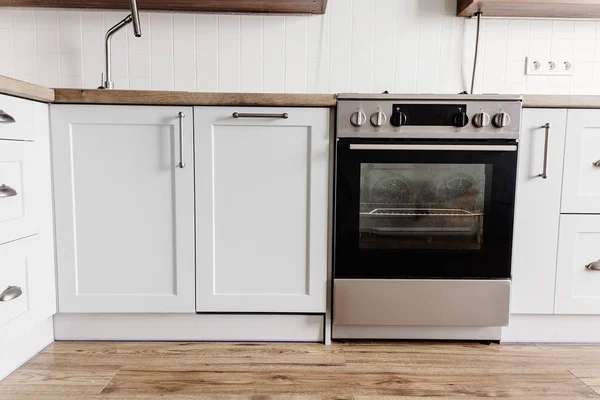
column 537, row 212
column 578, row 288
column 261, row 210
column 581, row 187
column 124, row 209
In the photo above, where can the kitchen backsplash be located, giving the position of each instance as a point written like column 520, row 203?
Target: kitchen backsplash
column 357, row 46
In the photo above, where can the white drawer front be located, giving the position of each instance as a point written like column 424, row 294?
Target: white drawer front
column 578, row 288
column 581, row 177
column 14, row 272
column 22, row 111
column 17, row 197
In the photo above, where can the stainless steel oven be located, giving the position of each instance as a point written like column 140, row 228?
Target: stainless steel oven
column 425, row 190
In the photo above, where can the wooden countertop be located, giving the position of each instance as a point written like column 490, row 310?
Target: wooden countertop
column 560, row 101
column 153, row 97
column 31, row 91
column 15, row 87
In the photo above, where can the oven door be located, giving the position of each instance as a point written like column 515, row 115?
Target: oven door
column 414, row 210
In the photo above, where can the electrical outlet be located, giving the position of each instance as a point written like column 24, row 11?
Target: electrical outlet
column 535, row 66
column 549, row 66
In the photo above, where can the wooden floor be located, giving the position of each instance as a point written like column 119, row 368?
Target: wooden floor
column 360, row 371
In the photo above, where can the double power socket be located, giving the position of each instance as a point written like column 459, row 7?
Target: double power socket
column 550, row 66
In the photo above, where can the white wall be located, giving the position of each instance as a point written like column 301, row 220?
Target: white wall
column 357, row 46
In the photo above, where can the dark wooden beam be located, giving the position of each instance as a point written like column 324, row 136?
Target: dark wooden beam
column 224, row 6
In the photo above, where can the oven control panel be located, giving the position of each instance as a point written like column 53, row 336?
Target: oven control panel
column 444, row 118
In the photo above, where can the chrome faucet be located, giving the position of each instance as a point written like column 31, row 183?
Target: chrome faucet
column 137, row 31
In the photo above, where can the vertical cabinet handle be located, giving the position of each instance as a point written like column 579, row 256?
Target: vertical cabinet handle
column 6, row 118
column 544, row 174
column 10, row 293
column 181, row 116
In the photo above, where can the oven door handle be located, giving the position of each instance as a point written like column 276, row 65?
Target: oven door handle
column 434, row 147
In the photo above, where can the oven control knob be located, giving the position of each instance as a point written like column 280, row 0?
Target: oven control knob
column 501, row 120
column 398, row 118
column 481, row 120
column 358, row 118
column 461, row 119
column 378, row 119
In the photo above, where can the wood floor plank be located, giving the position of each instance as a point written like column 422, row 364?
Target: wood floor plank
column 556, row 385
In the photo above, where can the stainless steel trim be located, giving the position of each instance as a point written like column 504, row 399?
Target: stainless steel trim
column 7, row 191
column 181, row 116
column 544, row 174
column 595, row 266
column 432, row 97
column 10, row 293
column 421, row 302
column 259, row 115
column 6, row 118
column 434, row 147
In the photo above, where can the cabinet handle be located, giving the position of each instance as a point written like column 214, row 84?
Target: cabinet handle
column 258, row 115
column 10, row 293
column 6, row 118
column 596, row 164
column 181, row 162
column 595, row 266
column 7, row 191
column 544, row 174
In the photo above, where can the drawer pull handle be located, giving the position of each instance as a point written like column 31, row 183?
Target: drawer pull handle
column 252, row 115
column 544, row 174
column 6, row 118
column 10, row 293
column 596, row 164
column 595, row 266
column 7, row 191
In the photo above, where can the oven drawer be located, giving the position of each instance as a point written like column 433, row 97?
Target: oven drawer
column 412, row 302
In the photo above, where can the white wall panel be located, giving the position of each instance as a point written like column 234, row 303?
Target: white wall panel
column 358, row 45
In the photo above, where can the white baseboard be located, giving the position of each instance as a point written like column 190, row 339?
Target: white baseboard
column 18, row 351
column 190, row 327
column 416, row 332
column 528, row 328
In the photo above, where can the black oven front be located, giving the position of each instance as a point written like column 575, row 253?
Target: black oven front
column 424, row 209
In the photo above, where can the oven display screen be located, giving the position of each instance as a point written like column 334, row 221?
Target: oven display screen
column 429, row 114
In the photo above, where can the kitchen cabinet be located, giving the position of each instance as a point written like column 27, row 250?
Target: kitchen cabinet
column 581, row 187
column 537, row 211
column 19, row 197
column 124, row 208
column 23, row 265
column 530, row 8
column 578, row 287
column 227, row 6
column 261, row 209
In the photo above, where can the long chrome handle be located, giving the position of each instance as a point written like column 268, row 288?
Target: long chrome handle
column 258, row 115
column 10, row 293
column 6, row 118
column 435, row 147
column 181, row 162
column 544, row 174
column 7, row 191
column 593, row 266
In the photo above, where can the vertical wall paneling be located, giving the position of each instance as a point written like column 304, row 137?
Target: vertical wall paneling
column 402, row 46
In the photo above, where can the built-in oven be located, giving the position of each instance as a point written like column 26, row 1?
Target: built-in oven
column 424, row 206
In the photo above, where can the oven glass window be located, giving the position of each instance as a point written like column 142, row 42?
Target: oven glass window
column 423, row 206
